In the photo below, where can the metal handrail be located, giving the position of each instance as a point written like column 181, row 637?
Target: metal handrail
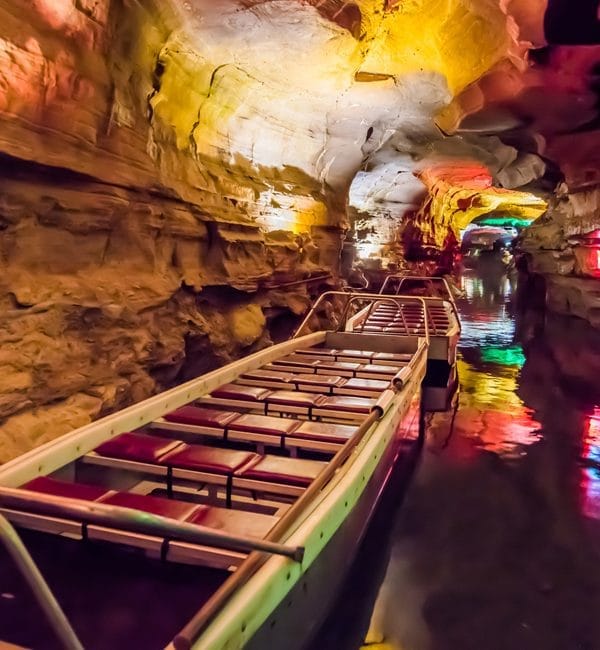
column 425, row 277
column 293, row 283
column 357, row 297
column 185, row 638
column 137, row 521
column 39, row 587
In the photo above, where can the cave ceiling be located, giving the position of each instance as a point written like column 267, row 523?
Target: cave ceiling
column 268, row 111
column 364, row 97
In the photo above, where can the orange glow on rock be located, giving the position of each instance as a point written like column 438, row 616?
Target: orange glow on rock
column 459, row 192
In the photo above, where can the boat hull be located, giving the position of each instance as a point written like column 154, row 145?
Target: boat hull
column 299, row 616
column 282, row 605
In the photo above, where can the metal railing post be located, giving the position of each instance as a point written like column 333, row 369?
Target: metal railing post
column 45, row 598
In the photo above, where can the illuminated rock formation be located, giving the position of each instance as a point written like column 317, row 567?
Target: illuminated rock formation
column 167, row 163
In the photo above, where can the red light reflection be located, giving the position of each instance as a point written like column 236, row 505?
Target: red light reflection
column 590, row 473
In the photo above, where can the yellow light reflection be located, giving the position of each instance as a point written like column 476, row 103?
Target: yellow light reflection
column 491, row 415
column 297, row 214
column 453, row 38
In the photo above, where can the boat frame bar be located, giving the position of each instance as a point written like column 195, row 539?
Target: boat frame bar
column 137, row 521
column 39, row 587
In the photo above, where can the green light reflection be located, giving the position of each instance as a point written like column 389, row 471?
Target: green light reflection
column 511, row 356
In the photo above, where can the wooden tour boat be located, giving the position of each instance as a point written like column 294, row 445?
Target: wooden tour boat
column 405, row 319
column 223, row 513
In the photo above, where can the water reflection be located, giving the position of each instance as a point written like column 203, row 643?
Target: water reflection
column 590, row 474
column 491, row 416
column 497, row 545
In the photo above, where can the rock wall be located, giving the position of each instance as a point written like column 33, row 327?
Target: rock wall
column 128, row 259
column 564, row 248
column 109, row 294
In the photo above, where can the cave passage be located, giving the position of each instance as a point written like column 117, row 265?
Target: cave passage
column 180, row 181
column 496, row 543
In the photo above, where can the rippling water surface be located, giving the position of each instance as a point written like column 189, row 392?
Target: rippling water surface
column 497, row 542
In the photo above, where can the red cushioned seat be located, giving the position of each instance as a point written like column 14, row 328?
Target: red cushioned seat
column 83, row 491
column 264, row 424
column 277, row 469
column 289, row 369
column 201, row 417
column 234, row 522
column 178, row 510
column 338, row 365
column 367, row 384
column 374, row 368
column 296, row 360
column 238, row 392
column 137, row 447
column 268, row 375
column 318, row 351
column 358, row 354
column 347, row 403
column 318, row 380
column 201, row 458
column 295, row 398
column 392, row 356
column 324, row 432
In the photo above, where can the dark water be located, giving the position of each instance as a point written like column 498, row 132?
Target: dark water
column 497, row 542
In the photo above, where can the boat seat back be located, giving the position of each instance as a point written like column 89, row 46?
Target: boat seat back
column 58, row 488
column 355, row 340
column 234, row 522
column 138, row 447
column 278, row 469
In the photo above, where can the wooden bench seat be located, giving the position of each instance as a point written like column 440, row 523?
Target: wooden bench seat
column 198, row 463
column 235, row 522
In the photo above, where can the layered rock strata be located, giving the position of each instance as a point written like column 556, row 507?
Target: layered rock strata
column 564, row 247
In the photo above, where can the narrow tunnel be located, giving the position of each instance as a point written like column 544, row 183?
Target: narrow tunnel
column 182, row 183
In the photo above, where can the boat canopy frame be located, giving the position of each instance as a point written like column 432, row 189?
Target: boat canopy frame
column 353, row 298
column 423, row 278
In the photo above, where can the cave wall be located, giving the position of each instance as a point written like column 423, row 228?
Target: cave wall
column 564, row 248
column 129, row 259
